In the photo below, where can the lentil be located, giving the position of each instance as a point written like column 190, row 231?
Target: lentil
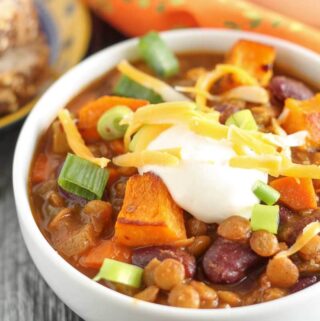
column 264, row 243
column 196, row 227
column 184, row 296
column 208, row 297
column 230, row 298
column 235, row 228
column 200, row 245
column 282, row 272
column 148, row 273
column 168, row 274
column 273, row 294
column 149, row 294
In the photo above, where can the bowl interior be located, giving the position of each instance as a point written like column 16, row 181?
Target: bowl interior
column 302, row 63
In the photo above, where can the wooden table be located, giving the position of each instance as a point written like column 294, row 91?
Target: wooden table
column 24, row 295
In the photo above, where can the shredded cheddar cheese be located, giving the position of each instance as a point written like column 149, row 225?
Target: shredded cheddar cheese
column 75, row 140
column 266, row 163
column 197, row 91
column 173, row 113
column 211, row 129
column 165, row 157
column 308, row 233
column 206, row 81
column 243, row 138
column 299, row 170
column 160, row 87
column 145, row 136
column 160, row 114
column 253, row 94
column 255, row 150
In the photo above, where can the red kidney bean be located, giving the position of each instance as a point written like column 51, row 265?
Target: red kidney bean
column 291, row 230
column 142, row 256
column 304, row 283
column 282, row 87
column 227, row 261
column 285, row 214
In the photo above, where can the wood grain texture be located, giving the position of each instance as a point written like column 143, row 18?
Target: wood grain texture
column 24, row 295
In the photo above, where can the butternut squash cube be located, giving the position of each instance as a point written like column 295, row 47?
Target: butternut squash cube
column 149, row 216
column 304, row 115
column 256, row 58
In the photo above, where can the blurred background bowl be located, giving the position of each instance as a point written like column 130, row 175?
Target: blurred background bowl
column 67, row 27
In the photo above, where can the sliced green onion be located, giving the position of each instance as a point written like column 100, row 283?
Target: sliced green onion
column 115, row 271
column 157, row 55
column 265, row 217
column 243, row 119
column 83, row 178
column 127, row 87
column 265, row 193
column 109, row 126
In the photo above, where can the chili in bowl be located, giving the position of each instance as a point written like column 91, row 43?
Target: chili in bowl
column 181, row 175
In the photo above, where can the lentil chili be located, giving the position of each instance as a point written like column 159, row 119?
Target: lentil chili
column 224, row 264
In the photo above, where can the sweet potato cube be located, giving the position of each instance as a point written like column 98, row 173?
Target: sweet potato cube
column 256, row 58
column 149, row 216
column 304, row 115
column 296, row 193
column 105, row 249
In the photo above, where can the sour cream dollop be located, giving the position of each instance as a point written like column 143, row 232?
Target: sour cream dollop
column 203, row 183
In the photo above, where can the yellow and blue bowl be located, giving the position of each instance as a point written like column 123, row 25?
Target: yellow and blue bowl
column 67, row 26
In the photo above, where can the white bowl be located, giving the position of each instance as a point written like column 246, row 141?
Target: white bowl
column 87, row 298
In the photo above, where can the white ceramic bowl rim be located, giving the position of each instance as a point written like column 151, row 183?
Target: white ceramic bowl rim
column 20, row 172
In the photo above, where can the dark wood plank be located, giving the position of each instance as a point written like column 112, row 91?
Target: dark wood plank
column 24, row 295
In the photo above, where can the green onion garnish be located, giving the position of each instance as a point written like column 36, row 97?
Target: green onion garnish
column 157, row 55
column 115, row 271
column 265, row 193
column 127, row 87
column 265, row 217
column 83, row 178
column 109, row 126
column 243, row 119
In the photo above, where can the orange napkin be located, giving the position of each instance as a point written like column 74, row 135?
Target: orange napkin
column 136, row 17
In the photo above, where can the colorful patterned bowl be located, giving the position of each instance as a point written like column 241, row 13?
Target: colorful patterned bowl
column 67, row 26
